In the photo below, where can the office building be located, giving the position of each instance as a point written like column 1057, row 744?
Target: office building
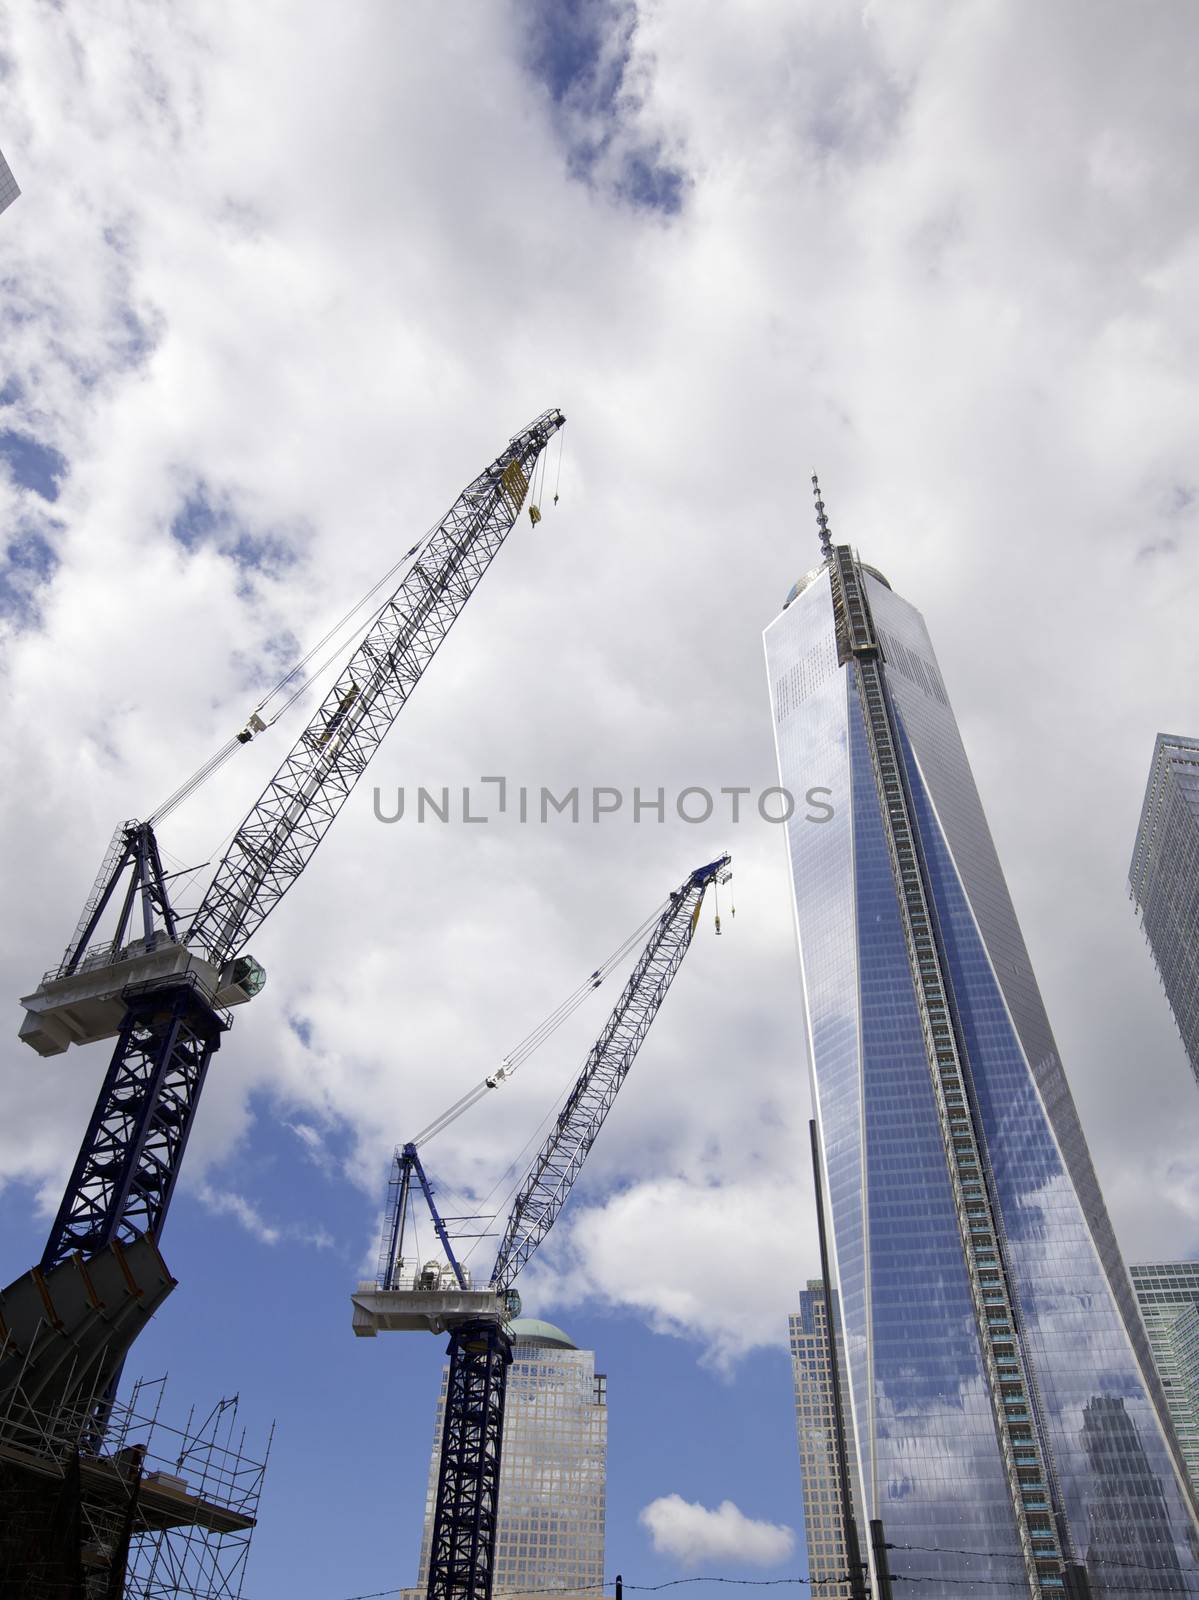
column 553, row 1468
column 1168, row 1294
column 990, row 1332
column 1164, row 878
column 822, row 1445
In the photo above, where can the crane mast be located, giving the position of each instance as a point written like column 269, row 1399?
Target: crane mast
column 164, row 995
column 462, row 1553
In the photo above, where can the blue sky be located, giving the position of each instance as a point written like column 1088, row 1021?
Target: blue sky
column 260, row 326
column 354, row 1418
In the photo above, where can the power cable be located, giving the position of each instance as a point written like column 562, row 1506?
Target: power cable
column 813, row 1583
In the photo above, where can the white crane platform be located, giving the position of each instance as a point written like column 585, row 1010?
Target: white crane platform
column 437, row 1310
column 87, row 1004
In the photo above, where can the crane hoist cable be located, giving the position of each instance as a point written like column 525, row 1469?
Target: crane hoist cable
column 161, row 984
column 478, row 1211
column 537, row 1036
column 257, row 722
column 462, row 1544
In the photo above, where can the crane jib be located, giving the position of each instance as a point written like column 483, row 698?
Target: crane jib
column 281, row 832
column 552, row 1173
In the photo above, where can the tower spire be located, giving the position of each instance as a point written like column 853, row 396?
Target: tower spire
column 826, row 538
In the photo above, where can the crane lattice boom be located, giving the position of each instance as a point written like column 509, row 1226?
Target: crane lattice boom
column 163, row 995
column 557, row 1164
column 462, row 1547
column 277, row 839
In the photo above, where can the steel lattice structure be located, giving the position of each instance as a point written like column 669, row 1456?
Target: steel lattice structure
column 462, row 1556
column 168, row 1029
column 277, row 839
column 556, row 1165
column 462, row 1561
column 125, row 1172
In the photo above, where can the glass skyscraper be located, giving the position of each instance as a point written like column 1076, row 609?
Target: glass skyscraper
column 553, row 1469
column 825, row 1523
column 1168, row 1292
column 1164, row 878
column 1006, row 1422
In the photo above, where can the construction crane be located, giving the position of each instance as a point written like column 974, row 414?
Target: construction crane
column 164, row 989
column 462, row 1557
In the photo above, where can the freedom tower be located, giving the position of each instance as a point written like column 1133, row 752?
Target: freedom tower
column 1003, row 1416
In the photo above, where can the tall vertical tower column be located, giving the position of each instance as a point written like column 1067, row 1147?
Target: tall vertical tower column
column 1005, row 1422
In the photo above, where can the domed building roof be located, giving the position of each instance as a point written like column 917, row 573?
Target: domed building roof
column 531, row 1330
column 809, row 578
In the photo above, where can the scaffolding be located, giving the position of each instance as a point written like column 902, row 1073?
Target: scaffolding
column 140, row 1508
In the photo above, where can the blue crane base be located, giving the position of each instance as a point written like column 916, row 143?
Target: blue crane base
column 126, row 1169
column 462, row 1557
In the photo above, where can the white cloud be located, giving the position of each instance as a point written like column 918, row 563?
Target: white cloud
column 228, row 1203
column 717, row 1263
column 948, row 258
column 696, row 1534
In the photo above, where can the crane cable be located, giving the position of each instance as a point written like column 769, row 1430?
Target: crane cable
column 257, row 723
column 533, row 1040
column 477, row 1211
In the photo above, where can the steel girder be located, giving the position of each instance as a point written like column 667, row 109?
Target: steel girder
column 277, row 839
column 557, row 1164
column 462, row 1556
column 126, row 1169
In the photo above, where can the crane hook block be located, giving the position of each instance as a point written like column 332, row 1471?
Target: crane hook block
column 534, row 515
column 255, row 725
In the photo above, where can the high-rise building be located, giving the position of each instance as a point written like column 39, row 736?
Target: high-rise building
column 1164, row 878
column 987, row 1316
column 8, row 184
column 1168, row 1292
column 822, row 1445
column 553, row 1469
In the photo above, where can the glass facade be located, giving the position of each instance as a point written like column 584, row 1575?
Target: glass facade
column 1008, row 1427
column 8, row 184
column 815, row 1426
column 1164, row 878
column 1168, row 1294
column 553, row 1469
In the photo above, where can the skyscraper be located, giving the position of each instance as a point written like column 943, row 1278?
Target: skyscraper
column 553, row 1468
column 1164, row 878
column 816, row 1427
column 982, row 1296
column 8, row 184
column 1168, row 1292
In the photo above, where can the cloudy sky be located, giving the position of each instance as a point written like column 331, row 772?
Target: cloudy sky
column 281, row 280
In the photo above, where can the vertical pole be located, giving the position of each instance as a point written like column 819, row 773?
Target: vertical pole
column 878, row 1544
column 619, row 1587
column 147, row 887
column 853, row 1551
column 392, row 1270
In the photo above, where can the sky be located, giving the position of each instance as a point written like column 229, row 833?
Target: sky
column 280, row 281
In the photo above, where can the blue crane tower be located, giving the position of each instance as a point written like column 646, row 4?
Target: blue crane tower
column 163, row 989
column 462, row 1558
